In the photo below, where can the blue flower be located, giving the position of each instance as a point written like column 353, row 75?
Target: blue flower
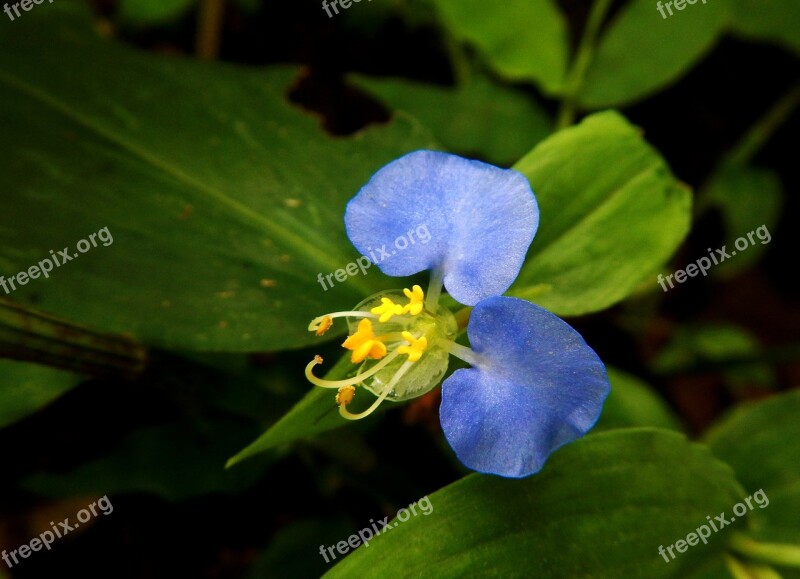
column 533, row 385
column 481, row 220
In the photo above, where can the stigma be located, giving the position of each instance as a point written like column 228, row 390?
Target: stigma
column 398, row 348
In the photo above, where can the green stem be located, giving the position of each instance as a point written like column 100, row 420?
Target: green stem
column 753, row 140
column 782, row 554
column 741, row 570
column 580, row 64
column 762, row 130
column 458, row 59
column 209, row 29
column 31, row 336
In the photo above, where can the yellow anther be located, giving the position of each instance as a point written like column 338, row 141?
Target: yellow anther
column 324, row 325
column 345, row 395
column 415, row 347
column 415, row 297
column 386, row 310
column 365, row 344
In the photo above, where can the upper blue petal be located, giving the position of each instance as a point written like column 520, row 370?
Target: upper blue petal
column 480, row 220
column 537, row 387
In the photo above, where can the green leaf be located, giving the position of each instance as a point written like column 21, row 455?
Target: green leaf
column 601, row 507
column 224, row 202
column 144, row 12
column 774, row 20
column 25, row 388
column 642, row 52
column 732, row 349
column 759, row 440
column 611, row 215
column 633, row 403
column 526, row 40
column 749, row 198
column 480, row 118
column 176, row 461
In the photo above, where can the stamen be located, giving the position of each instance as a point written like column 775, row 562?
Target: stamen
column 415, row 348
column 322, row 383
column 324, row 325
column 386, row 391
column 319, row 320
column 387, row 309
column 345, row 395
column 415, row 297
column 364, row 343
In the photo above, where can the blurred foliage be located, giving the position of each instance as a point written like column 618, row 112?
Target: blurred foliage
column 727, row 349
column 755, row 440
column 27, row 388
column 480, row 117
column 634, row 403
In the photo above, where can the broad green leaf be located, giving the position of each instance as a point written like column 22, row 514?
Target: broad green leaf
column 642, row 52
column 774, row 20
column 481, row 118
column 152, row 11
column 25, row 388
column 715, row 347
column 611, row 214
column 749, row 198
column 759, row 440
column 601, row 507
column 633, row 403
column 175, row 461
column 224, row 201
column 525, row 40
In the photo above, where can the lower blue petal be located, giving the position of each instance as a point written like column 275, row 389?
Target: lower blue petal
column 537, row 386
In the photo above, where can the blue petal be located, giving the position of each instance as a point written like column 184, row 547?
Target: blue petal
column 430, row 210
column 536, row 387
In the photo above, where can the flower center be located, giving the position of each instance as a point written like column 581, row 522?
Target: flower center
column 392, row 336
